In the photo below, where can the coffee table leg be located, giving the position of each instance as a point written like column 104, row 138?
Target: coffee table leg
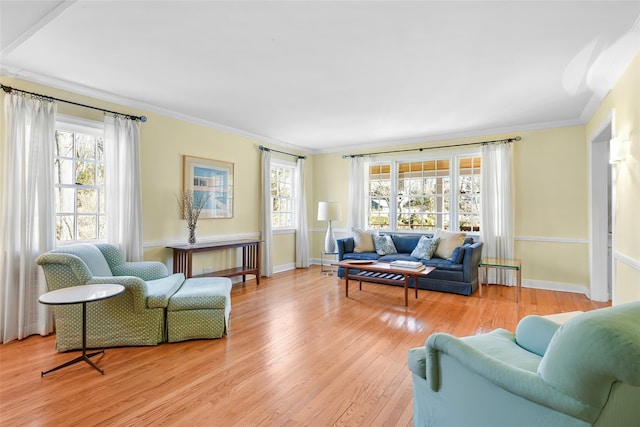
column 346, row 283
column 406, row 290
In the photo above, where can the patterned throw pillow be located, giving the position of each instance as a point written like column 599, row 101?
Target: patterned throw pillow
column 421, row 247
column 448, row 242
column 384, row 245
column 425, row 248
column 431, row 249
column 363, row 242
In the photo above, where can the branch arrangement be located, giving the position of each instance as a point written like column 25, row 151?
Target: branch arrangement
column 191, row 206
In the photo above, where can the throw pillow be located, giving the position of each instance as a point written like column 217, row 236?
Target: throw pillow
column 458, row 254
column 362, row 240
column 428, row 254
column 384, row 245
column 421, row 247
column 448, row 242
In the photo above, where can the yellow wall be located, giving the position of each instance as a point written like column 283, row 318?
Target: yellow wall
column 624, row 100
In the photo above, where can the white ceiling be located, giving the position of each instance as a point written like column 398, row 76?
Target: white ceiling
column 326, row 76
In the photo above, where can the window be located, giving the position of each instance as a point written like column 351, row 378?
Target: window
column 282, row 194
column 79, row 183
column 417, row 194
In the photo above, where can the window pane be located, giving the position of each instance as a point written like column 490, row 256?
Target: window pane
column 87, row 227
column 100, row 149
column 65, row 200
column 85, row 173
column 85, row 146
column 102, row 227
column 63, row 170
column 101, row 201
column 64, row 144
column 64, row 228
column 87, row 201
column 100, row 174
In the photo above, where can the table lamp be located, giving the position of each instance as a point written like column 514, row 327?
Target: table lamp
column 329, row 211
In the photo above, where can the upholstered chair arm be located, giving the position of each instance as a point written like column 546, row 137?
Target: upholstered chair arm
column 523, row 383
column 133, row 286
column 146, row 270
column 63, row 270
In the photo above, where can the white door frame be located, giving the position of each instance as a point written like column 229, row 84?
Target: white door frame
column 599, row 178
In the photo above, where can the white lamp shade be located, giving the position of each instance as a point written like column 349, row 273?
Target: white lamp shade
column 329, row 211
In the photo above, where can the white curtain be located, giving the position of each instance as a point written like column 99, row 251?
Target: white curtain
column 122, row 186
column 27, row 214
column 302, row 234
column 266, row 266
column 497, row 210
column 358, row 193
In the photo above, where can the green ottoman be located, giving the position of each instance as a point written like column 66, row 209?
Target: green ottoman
column 200, row 309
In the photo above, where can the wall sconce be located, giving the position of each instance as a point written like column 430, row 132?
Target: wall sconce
column 329, row 211
column 618, row 149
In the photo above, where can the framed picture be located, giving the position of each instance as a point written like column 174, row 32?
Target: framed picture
column 214, row 177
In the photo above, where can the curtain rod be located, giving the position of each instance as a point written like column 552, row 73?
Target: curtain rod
column 495, row 141
column 9, row 89
column 263, row 148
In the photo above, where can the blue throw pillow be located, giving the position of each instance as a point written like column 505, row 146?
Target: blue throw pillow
column 384, row 245
column 425, row 248
column 458, row 254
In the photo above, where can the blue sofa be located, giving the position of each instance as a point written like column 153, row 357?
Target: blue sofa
column 449, row 276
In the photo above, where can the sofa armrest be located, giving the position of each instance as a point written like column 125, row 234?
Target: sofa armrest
column 345, row 245
column 534, row 333
column 520, row 382
column 471, row 261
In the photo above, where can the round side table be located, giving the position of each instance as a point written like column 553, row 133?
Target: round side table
column 81, row 295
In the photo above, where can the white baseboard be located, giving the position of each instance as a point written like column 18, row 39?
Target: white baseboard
column 555, row 286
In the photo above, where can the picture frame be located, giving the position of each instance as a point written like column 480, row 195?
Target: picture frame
column 210, row 176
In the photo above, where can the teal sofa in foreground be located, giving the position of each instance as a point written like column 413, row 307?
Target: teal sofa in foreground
column 585, row 372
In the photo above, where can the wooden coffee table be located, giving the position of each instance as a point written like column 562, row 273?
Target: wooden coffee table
column 380, row 272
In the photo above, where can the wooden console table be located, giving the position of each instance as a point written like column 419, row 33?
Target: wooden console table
column 182, row 258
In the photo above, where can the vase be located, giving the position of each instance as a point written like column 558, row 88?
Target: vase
column 192, row 235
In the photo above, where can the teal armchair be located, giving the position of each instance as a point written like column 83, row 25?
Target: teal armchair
column 585, row 372
column 136, row 317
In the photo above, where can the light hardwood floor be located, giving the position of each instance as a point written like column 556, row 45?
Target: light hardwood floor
column 298, row 353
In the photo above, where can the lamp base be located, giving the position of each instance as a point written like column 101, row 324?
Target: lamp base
column 330, row 241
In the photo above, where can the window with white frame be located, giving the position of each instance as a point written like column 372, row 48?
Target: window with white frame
column 79, row 182
column 282, row 195
column 417, row 195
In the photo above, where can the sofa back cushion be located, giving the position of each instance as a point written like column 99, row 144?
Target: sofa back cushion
column 92, row 257
column 405, row 244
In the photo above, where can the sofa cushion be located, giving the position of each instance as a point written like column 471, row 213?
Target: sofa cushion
column 362, row 256
column 363, row 241
column 159, row 291
column 384, row 244
column 405, row 243
column 448, row 242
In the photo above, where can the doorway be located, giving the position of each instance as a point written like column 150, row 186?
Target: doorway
column 602, row 214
